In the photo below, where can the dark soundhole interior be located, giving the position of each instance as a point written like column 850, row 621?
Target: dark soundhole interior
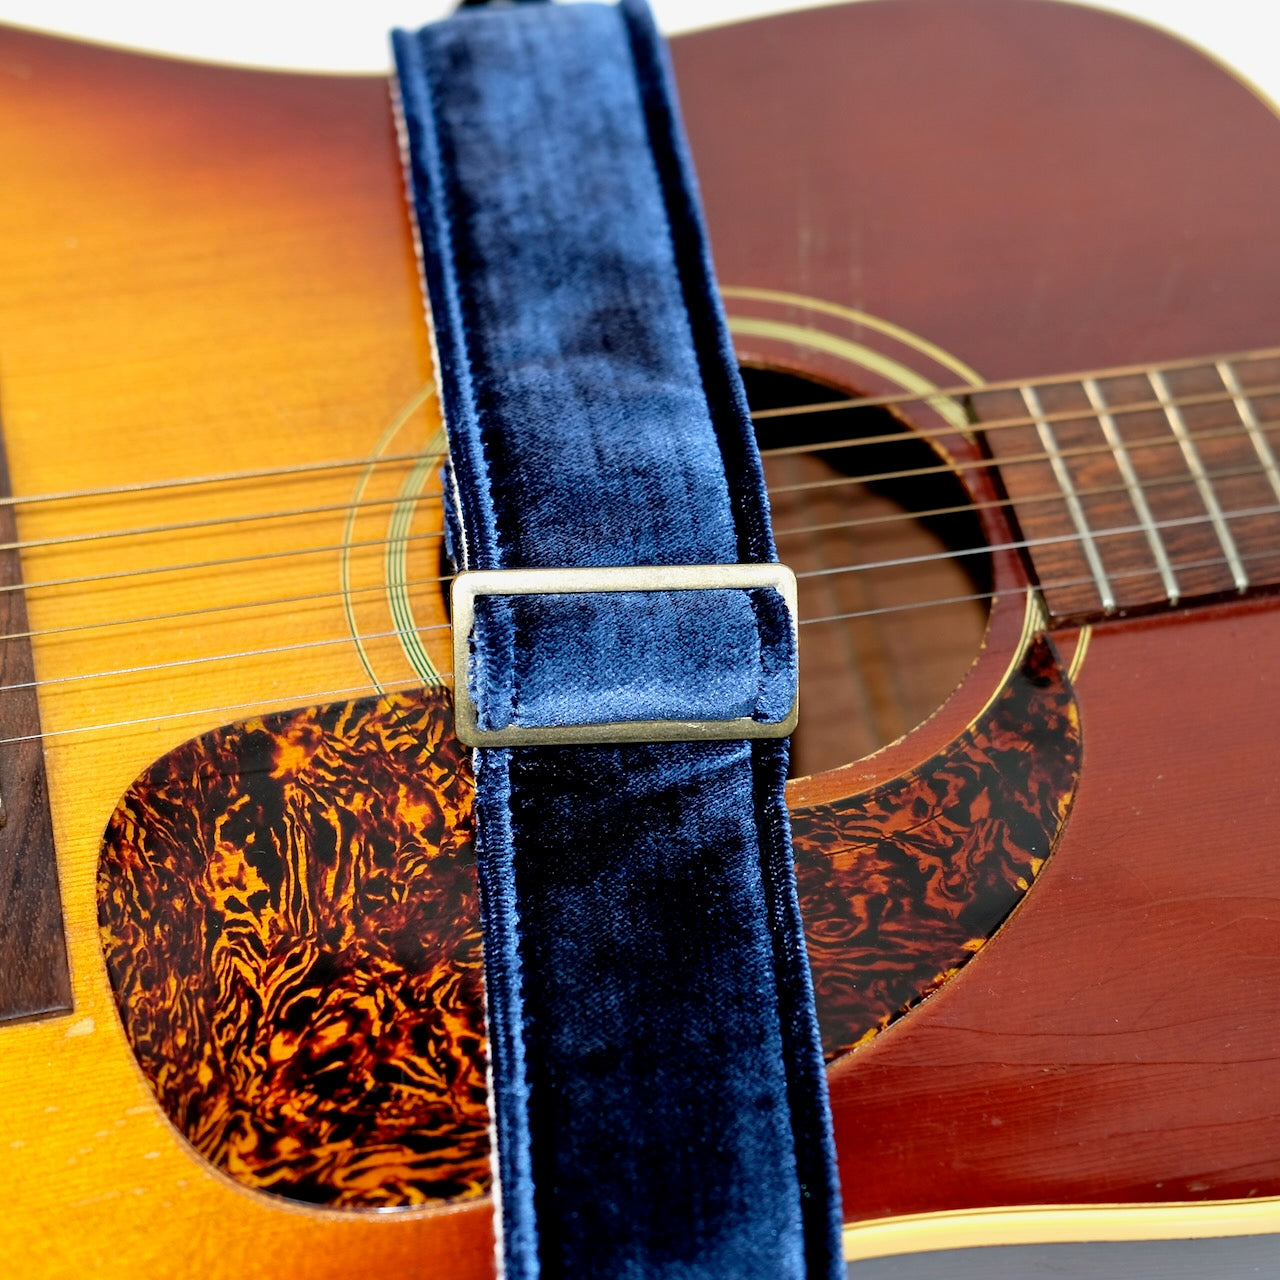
column 882, row 642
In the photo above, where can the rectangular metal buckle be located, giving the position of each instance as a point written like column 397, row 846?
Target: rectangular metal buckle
column 524, row 582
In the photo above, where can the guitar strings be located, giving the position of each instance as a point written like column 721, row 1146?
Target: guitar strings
column 1237, row 429
column 1031, row 544
column 117, row 575
column 898, row 562
column 995, row 504
column 179, row 615
column 287, row 702
column 171, row 664
column 47, row 586
column 219, row 522
column 960, row 390
column 282, row 472
column 895, row 517
column 905, row 515
column 943, row 468
column 1058, row 584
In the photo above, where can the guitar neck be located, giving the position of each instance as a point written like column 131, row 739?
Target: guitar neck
column 1143, row 488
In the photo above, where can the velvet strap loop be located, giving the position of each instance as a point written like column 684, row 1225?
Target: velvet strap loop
column 658, row 1090
column 606, row 657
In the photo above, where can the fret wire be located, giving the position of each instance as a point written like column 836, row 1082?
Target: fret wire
column 1021, row 459
column 1016, row 384
column 1225, row 473
column 1075, row 508
column 979, row 427
column 1210, row 499
column 1031, row 544
column 1097, row 401
column 1244, row 407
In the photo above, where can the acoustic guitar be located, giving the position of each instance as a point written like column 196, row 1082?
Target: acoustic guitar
column 1003, row 278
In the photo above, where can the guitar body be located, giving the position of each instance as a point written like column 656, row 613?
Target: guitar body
column 208, row 273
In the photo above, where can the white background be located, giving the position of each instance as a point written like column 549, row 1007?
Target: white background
column 351, row 36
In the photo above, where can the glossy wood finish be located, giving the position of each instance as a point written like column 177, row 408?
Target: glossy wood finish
column 1123, row 1026
column 210, row 270
column 1035, row 189
column 1083, row 228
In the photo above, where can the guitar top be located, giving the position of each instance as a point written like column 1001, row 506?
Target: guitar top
column 1007, row 267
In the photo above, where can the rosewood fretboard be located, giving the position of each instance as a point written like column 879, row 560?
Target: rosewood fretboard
column 1141, row 488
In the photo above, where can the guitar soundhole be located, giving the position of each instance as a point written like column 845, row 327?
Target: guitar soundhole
column 893, row 594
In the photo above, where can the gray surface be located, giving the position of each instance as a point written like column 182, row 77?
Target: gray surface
column 1241, row 1258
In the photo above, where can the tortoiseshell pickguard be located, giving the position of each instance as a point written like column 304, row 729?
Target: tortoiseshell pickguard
column 288, row 909
column 289, row 914
column 901, row 885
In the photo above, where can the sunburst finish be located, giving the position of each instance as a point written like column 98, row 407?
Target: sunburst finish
column 209, row 273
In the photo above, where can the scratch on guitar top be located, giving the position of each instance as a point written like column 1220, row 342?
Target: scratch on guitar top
column 85, row 1201
column 84, row 1027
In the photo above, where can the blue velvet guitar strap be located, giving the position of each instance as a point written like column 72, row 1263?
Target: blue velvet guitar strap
column 658, row 1090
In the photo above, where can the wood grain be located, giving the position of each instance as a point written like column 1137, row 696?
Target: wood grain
column 210, row 270
column 1110, row 1076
